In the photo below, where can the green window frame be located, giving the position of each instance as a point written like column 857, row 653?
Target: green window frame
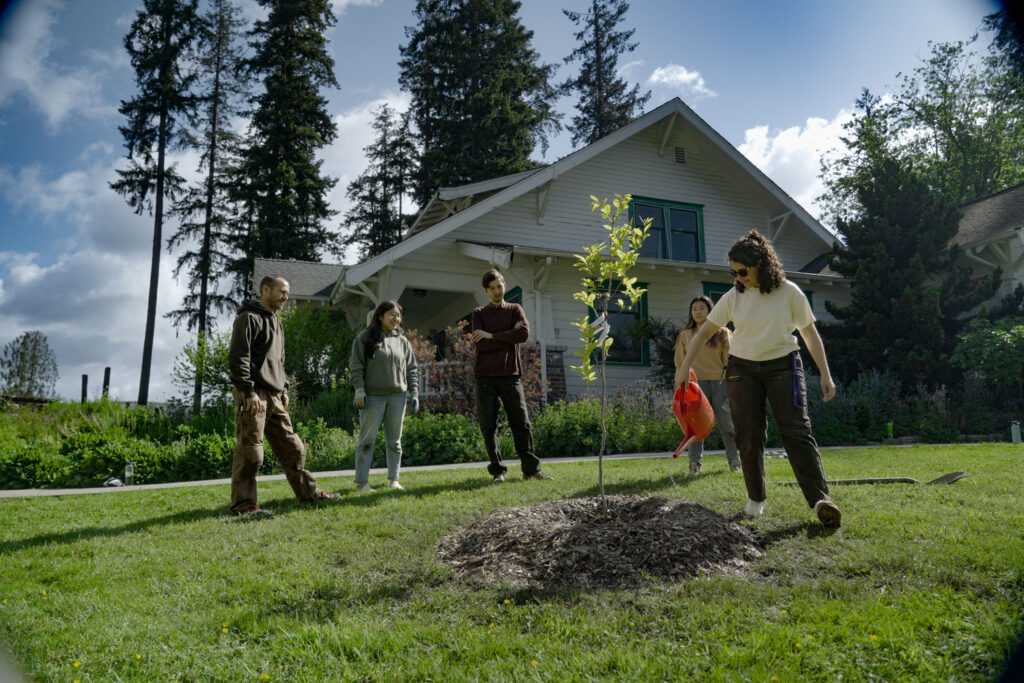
column 715, row 290
column 625, row 351
column 677, row 229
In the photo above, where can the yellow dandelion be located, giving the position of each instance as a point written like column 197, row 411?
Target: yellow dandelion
column 224, row 625
column 78, row 680
column 492, row 625
column 138, row 656
column 534, row 662
column 799, row 645
column 782, row 611
column 77, row 664
column 775, row 678
column 44, row 592
column 265, row 677
column 224, row 630
column 5, row 601
column 874, row 638
column 631, row 623
column 810, row 637
column 507, row 601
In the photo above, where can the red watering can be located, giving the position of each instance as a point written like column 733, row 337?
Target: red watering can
column 694, row 413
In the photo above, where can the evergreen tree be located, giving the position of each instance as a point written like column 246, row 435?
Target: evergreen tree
column 158, row 43
column 284, row 192
column 606, row 103
column 908, row 294
column 205, row 207
column 376, row 221
column 28, row 367
column 480, row 97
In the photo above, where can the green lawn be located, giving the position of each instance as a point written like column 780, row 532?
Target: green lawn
column 920, row 583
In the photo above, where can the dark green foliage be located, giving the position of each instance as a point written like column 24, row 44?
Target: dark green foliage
column 569, row 430
column 284, row 192
column 376, row 220
column 606, row 103
column 28, row 367
column 430, row 439
column 319, row 345
column 158, row 43
column 480, row 97
column 994, row 352
column 908, row 295
column 205, row 209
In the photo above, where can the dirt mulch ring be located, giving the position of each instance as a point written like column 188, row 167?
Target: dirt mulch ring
column 577, row 544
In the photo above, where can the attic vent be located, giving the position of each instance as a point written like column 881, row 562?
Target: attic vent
column 680, row 155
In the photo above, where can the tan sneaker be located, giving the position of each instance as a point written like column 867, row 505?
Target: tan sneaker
column 364, row 488
column 828, row 513
column 393, row 484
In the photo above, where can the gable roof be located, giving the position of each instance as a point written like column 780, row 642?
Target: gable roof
column 533, row 179
column 308, row 280
column 995, row 216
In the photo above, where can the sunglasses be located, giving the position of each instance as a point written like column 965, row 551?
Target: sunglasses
column 742, row 272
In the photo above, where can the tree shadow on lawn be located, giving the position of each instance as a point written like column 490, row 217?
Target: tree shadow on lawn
column 644, row 486
column 349, row 495
column 88, row 533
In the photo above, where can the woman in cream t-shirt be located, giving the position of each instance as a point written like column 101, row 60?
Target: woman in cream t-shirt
column 765, row 364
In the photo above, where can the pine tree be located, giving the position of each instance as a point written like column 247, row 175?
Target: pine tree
column 158, row 43
column 284, row 192
column 205, row 209
column 606, row 103
column 909, row 296
column 376, row 221
column 481, row 99
column 28, row 367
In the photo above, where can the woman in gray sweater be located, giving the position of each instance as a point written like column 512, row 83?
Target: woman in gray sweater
column 385, row 377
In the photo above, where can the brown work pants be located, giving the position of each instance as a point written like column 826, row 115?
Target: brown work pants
column 780, row 382
column 273, row 421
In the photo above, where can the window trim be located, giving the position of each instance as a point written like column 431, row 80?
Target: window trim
column 665, row 205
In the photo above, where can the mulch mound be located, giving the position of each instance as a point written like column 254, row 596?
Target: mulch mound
column 579, row 544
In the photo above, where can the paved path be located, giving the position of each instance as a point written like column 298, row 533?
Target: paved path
column 31, row 493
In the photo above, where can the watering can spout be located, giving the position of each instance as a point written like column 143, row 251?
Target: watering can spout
column 694, row 413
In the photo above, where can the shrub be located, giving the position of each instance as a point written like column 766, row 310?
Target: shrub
column 431, row 438
column 327, row 448
column 569, row 429
column 29, row 465
column 203, row 456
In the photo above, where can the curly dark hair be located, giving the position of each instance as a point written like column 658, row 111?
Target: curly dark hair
column 756, row 250
column 691, row 324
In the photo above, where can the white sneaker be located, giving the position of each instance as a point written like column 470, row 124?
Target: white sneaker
column 393, row 484
column 754, row 509
column 366, row 488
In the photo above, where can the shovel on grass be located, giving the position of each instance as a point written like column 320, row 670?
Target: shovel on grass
column 944, row 479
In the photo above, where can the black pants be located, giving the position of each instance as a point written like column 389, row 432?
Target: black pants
column 781, row 382
column 509, row 391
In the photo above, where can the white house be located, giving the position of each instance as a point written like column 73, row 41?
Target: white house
column 700, row 192
column 991, row 235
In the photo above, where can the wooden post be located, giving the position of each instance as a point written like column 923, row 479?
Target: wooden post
column 85, row 387
column 106, row 382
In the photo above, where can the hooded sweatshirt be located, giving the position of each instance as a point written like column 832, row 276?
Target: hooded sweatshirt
column 391, row 370
column 256, row 354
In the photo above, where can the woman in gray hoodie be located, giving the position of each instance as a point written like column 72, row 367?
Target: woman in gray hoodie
column 385, row 377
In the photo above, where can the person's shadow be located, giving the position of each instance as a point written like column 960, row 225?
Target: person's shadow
column 87, row 533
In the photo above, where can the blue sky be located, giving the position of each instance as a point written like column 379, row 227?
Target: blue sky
column 777, row 79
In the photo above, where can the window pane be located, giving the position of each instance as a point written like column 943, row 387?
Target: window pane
column 684, row 246
column 624, row 349
column 656, row 237
column 684, row 235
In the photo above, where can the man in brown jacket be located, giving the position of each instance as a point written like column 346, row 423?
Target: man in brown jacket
column 256, row 363
column 498, row 329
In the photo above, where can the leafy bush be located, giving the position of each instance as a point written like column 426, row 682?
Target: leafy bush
column 569, row 429
column 327, row 448
column 29, row 465
column 432, row 438
column 203, row 456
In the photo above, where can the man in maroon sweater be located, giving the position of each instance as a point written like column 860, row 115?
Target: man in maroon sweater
column 498, row 329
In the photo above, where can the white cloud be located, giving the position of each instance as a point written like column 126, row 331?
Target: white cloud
column 26, row 68
column 792, row 157
column 681, row 80
column 340, row 6
column 91, row 300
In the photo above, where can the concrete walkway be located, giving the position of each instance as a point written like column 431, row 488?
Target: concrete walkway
column 33, row 493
